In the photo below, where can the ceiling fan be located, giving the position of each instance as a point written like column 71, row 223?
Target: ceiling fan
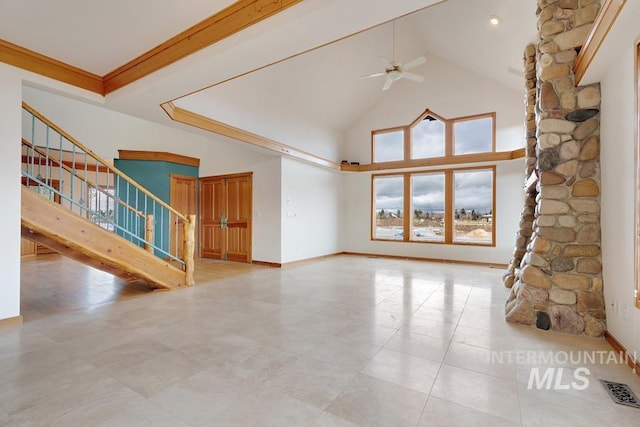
column 394, row 70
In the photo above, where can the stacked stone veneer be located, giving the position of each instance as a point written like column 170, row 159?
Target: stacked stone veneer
column 528, row 211
column 555, row 274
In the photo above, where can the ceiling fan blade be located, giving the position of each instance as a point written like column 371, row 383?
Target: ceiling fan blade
column 412, row 77
column 412, row 64
column 387, row 84
column 373, row 75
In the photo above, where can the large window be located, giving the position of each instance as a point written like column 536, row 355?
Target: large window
column 389, row 207
column 474, row 135
column 454, row 206
column 473, row 206
column 433, row 137
column 388, row 146
column 427, row 207
column 428, row 138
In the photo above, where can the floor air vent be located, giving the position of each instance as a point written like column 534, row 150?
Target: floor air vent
column 621, row 394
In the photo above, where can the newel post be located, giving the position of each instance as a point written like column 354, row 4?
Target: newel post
column 148, row 233
column 189, row 246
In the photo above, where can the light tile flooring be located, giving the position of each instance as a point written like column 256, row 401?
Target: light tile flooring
column 342, row 341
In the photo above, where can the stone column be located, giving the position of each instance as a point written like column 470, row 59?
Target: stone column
column 559, row 283
column 527, row 216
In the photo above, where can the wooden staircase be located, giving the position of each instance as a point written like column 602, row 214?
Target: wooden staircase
column 122, row 238
column 64, row 231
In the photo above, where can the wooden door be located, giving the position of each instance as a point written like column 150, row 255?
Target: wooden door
column 239, row 218
column 183, row 199
column 212, row 211
column 225, row 217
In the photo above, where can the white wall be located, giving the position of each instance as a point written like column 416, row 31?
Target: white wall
column 11, row 81
column 618, row 189
column 451, row 92
column 10, row 131
column 311, row 211
column 105, row 131
column 509, row 202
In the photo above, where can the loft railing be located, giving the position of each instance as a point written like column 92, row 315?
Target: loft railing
column 60, row 167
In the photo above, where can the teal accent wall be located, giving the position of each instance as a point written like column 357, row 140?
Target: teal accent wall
column 155, row 176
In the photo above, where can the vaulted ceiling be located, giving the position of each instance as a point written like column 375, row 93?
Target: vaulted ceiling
column 274, row 78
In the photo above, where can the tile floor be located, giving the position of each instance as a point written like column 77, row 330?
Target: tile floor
column 343, row 341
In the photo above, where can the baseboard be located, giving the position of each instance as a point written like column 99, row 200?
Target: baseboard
column 441, row 260
column 445, row 261
column 267, row 263
column 621, row 349
column 11, row 321
column 315, row 258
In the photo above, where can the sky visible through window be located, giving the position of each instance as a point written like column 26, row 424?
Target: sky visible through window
column 473, row 190
column 427, row 139
column 389, row 193
column 428, row 192
column 389, row 146
column 473, row 136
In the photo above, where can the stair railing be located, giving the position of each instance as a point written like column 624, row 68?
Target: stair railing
column 88, row 185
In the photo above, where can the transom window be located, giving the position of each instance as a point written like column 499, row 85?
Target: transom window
column 454, row 206
column 431, row 136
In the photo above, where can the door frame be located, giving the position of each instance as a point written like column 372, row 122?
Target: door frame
column 196, row 187
column 249, row 220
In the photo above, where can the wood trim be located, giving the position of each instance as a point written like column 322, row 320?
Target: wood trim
column 449, row 207
column 267, row 263
column 99, row 159
column 449, row 140
column 439, row 161
column 636, row 127
column 228, row 175
column 79, row 166
column 449, row 203
column 62, row 230
column 441, row 260
column 221, row 25
column 406, row 215
column 491, row 115
column 494, row 227
column 11, row 321
column 80, row 176
column 35, row 62
column 607, row 16
column 158, row 156
column 238, row 16
column 619, row 348
column 406, row 149
column 372, row 223
column 193, row 119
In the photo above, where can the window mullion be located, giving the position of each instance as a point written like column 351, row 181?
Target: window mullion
column 448, row 138
column 407, row 207
column 407, row 143
column 448, row 206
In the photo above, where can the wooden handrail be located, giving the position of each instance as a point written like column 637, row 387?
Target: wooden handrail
column 76, row 174
column 102, row 160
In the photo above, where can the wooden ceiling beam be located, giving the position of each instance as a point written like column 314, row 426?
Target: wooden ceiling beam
column 238, row 16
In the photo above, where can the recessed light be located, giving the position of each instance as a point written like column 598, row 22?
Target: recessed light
column 494, row 20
